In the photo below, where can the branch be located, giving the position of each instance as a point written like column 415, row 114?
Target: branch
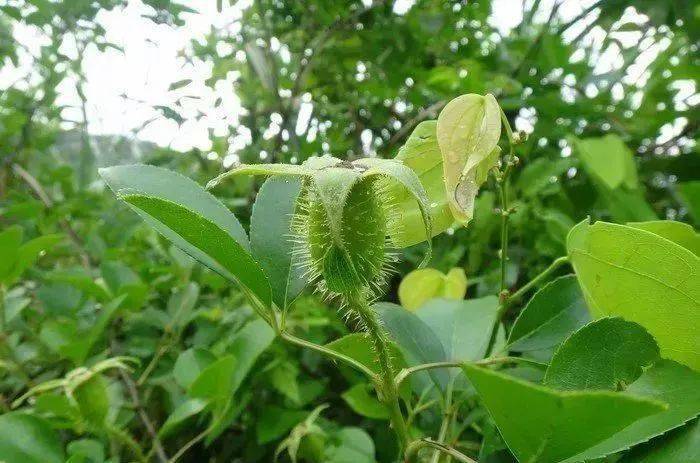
column 416, row 446
column 423, row 114
column 39, row 191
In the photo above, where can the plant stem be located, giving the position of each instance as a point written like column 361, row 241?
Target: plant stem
column 556, row 263
column 404, row 373
column 416, row 446
column 388, row 390
column 125, row 439
column 448, row 413
column 189, row 445
column 329, row 353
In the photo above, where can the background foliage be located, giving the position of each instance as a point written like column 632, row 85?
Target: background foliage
column 84, row 281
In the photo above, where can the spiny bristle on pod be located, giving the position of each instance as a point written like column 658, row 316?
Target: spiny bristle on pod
column 350, row 257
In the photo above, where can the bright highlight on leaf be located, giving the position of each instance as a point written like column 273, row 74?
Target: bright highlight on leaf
column 424, row 284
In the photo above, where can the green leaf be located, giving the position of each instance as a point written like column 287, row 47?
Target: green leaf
column 678, row 232
column 677, row 446
column 364, row 403
column 358, row 347
column 643, row 278
column 274, row 422
column 271, row 240
column 206, row 242
column 89, row 449
column 28, row 439
column 463, row 327
column 675, row 384
column 608, row 159
column 609, row 353
column 353, row 446
column 422, row 154
column 30, row 251
column 214, row 382
column 189, row 365
column 417, row 342
column 424, row 284
column 468, row 130
column 545, row 425
column 93, row 400
column 192, row 219
column 180, row 415
column 261, row 169
column 10, row 241
column 553, row 313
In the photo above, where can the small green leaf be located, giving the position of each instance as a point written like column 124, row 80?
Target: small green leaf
column 270, row 237
column 468, row 130
column 189, row 365
column 421, row 285
column 358, row 347
column 10, row 241
column 547, row 426
column 675, row 384
column 28, row 439
column 214, row 382
column 553, row 313
column 609, row 353
column 643, row 278
column 180, row 415
column 274, row 422
column 93, row 400
column 678, row 232
column 364, row 403
column 353, row 446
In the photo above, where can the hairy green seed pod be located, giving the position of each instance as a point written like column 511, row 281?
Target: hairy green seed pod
column 354, row 256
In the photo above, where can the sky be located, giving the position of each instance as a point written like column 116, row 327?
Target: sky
column 122, row 88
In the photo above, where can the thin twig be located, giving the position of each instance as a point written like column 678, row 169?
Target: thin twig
column 416, row 446
column 188, row 445
column 423, row 114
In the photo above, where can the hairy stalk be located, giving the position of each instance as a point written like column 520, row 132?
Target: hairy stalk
column 388, row 391
column 556, row 263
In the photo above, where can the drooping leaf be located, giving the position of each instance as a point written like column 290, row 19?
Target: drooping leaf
column 667, row 381
column 643, row 278
column 427, row 283
column 468, row 130
column 678, row 232
column 551, row 315
column 364, row 403
column 422, row 154
column 547, row 426
column 417, row 342
column 608, row 353
column 270, row 237
column 28, row 439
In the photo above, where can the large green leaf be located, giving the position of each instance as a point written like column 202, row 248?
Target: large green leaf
column 608, row 159
column 193, row 220
column 468, row 130
column 644, row 278
column 422, row 154
column 679, row 445
column 416, row 340
column 464, row 326
column 544, row 425
column 271, row 240
column 668, row 381
column 609, row 353
column 28, row 439
column 678, row 232
column 553, row 313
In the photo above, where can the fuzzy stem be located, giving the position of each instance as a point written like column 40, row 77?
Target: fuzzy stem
column 388, row 391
